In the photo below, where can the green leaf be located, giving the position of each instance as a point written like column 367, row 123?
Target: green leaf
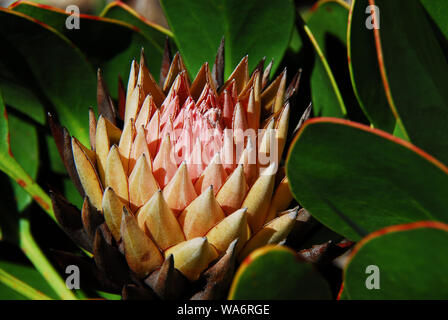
column 326, row 102
column 108, row 44
column 438, row 9
column 256, row 28
column 71, row 194
column 328, row 25
column 343, row 294
column 374, row 179
column 28, row 275
column 109, row 296
column 9, row 219
column 122, row 12
column 407, row 269
column 52, row 65
column 364, row 71
column 18, row 88
column 26, row 242
column 24, row 147
column 326, row 96
column 55, row 162
column 31, row 249
column 328, row 19
column 275, row 273
column 414, row 68
column 296, row 42
column 18, row 92
column 12, row 168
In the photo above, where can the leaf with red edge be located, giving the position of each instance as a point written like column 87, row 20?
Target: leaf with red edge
column 352, row 177
column 364, row 71
column 108, row 44
column 413, row 69
column 277, row 272
column 121, row 11
column 406, row 269
column 50, row 65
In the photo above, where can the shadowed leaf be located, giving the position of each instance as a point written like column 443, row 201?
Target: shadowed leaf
column 108, row 44
column 71, row 97
column 364, row 70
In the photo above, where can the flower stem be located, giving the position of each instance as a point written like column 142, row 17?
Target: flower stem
column 41, row 263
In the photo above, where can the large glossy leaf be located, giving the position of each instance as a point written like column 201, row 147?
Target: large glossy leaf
column 26, row 274
column 364, row 70
column 414, row 69
column 255, row 27
column 108, row 44
column 275, row 273
column 328, row 28
column 50, row 66
column 342, row 171
column 407, row 269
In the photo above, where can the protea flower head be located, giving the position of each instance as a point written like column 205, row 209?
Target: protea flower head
column 182, row 176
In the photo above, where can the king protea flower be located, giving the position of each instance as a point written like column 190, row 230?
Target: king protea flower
column 193, row 170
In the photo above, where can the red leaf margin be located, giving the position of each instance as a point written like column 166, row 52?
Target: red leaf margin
column 391, row 229
column 374, row 131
